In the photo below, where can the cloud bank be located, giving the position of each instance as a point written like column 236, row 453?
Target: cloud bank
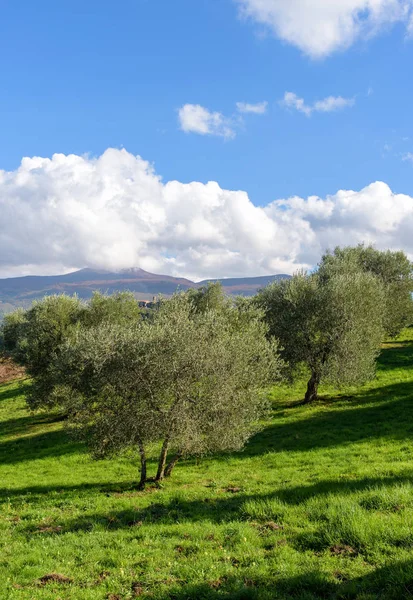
column 320, row 27
column 114, row 212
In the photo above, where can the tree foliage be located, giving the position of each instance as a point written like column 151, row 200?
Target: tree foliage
column 208, row 297
column 34, row 338
column 193, row 382
column 333, row 325
column 394, row 270
column 12, row 334
column 119, row 308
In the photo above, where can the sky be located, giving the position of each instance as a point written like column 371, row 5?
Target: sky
column 213, row 138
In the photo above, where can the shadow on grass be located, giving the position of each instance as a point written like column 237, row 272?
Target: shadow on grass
column 9, row 393
column 36, row 492
column 385, row 412
column 26, row 425
column 36, row 447
column 217, row 509
column 391, row 582
column 396, row 355
column 369, row 417
column 312, row 586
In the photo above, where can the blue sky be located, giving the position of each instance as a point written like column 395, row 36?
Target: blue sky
column 80, row 77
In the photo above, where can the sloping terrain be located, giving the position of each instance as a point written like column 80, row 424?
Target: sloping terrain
column 319, row 505
column 21, row 291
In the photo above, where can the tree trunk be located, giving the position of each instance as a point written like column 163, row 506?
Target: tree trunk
column 143, row 466
column 312, row 388
column 172, row 464
column 162, row 460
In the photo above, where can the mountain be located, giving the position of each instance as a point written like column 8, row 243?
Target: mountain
column 21, row 291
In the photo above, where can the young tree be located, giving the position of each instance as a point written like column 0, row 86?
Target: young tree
column 394, row 270
column 332, row 326
column 194, row 383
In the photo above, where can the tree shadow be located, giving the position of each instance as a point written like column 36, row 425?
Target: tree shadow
column 36, row 447
column 394, row 581
column 396, row 355
column 9, row 393
column 234, row 588
column 36, row 492
column 218, row 509
column 25, row 425
column 297, row 495
column 391, row 582
column 369, row 416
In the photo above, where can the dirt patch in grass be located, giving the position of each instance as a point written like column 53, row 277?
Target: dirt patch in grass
column 137, row 589
column 54, row 578
column 9, row 370
column 341, row 549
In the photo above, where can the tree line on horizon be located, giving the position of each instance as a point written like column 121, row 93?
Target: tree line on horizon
column 191, row 375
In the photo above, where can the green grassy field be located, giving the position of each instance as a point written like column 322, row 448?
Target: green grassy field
column 319, row 505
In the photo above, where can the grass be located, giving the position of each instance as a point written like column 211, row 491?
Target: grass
column 319, row 505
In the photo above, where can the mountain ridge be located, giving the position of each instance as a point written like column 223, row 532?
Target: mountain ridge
column 21, row 291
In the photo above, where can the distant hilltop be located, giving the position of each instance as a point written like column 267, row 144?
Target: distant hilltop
column 21, row 291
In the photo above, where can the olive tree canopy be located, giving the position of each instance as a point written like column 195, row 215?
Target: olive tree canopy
column 394, row 270
column 34, row 338
column 208, row 297
column 332, row 326
column 192, row 381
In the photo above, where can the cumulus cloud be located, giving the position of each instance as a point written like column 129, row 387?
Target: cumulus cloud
column 329, row 104
column 258, row 109
column 114, row 212
column 194, row 118
column 321, row 27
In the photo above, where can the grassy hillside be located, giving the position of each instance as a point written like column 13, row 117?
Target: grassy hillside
column 319, row 505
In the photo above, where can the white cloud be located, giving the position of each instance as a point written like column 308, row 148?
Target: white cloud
column 333, row 103
column 258, row 109
column 320, row 27
column 291, row 100
column 408, row 157
column 114, row 212
column 194, row 118
column 329, row 104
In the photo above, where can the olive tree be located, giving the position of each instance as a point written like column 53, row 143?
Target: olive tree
column 192, row 383
column 333, row 326
column 394, row 270
column 34, row 338
column 12, row 334
column 208, row 297
column 47, row 324
column 120, row 307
